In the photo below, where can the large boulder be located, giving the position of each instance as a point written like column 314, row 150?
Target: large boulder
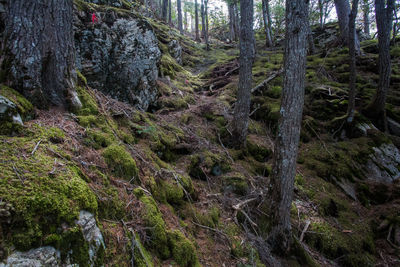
column 119, row 55
column 383, row 164
column 9, row 111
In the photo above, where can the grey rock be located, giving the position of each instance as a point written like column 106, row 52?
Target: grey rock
column 91, row 233
column 119, row 56
column 364, row 127
column 383, row 164
column 175, row 50
column 8, row 111
column 394, row 127
column 38, row 257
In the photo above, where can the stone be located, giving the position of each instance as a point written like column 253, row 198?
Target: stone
column 175, row 50
column 38, row 257
column 119, row 56
column 364, row 127
column 91, row 233
column 383, row 165
column 393, row 126
column 8, row 111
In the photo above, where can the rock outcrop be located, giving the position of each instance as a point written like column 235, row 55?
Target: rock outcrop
column 119, row 56
column 8, row 111
column 175, row 49
column 383, row 165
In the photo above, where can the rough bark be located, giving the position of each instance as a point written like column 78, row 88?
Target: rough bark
column 384, row 19
column 180, row 28
column 268, row 38
column 37, row 54
column 231, row 13
column 170, row 12
column 343, row 13
column 366, row 17
column 287, row 140
column 352, row 55
column 310, row 38
column 236, row 20
column 206, row 24
column 185, row 21
column 203, row 20
column 164, row 13
column 196, row 18
column 242, row 107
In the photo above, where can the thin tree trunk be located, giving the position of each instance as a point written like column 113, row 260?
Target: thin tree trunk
column 384, row 18
column 236, row 21
column 231, row 22
column 352, row 54
column 180, row 28
column 196, row 15
column 170, row 12
column 310, row 38
column 266, row 24
column 203, row 20
column 165, row 10
column 185, row 23
column 287, row 140
column 321, row 13
column 366, row 17
column 38, row 58
column 269, row 21
column 242, row 108
column 206, row 26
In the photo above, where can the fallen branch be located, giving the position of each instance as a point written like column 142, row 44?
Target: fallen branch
column 304, row 230
column 241, row 204
column 266, row 81
column 36, row 147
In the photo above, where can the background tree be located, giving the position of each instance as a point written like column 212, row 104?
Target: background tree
column 343, row 13
column 352, row 55
column 324, row 7
column 203, row 20
column 180, row 28
column 164, row 10
column 44, row 70
column 366, row 10
column 196, row 18
column 384, row 17
column 287, row 140
column 206, row 24
column 267, row 22
column 242, row 107
column 170, row 12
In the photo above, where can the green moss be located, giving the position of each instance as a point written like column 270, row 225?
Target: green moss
column 110, row 205
column 142, row 257
column 43, row 194
column 98, row 139
column 25, row 108
column 81, row 79
column 182, row 250
column 206, row 163
column 236, row 183
column 155, row 223
column 120, row 161
column 395, row 52
column 89, row 105
column 257, row 150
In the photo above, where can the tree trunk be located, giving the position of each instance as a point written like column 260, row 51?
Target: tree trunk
column 384, row 18
column 185, row 22
column 180, row 28
column 242, row 108
column 352, row 54
column 196, row 15
column 165, row 10
column 343, row 13
column 203, row 20
column 231, row 21
column 266, row 24
column 236, row 20
column 206, row 26
column 287, row 140
column 366, row 17
column 170, row 12
column 310, row 38
column 321, row 13
column 38, row 55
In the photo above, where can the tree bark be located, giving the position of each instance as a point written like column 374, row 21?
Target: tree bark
column 352, row 55
column 343, row 13
column 185, row 21
column 164, row 12
column 196, row 15
column 231, row 21
column 236, row 20
column 384, row 19
column 366, row 17
column 268, row 40
column 206, row 24
column 310, row 38
column 242, row 108
column 170, row 12
column 37, row 54
column 287, row 140
column 203, row 20
column 180, row 28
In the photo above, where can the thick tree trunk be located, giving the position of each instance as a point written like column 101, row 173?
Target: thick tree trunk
column 196, row 16
column 38, row 54
column 343, row 13
column 287, row 140
column 242, row 108
column 352, row 55
column 268, row 38
column 366, row 17
column 384, row 19
column 164, row 10
column 180, row 28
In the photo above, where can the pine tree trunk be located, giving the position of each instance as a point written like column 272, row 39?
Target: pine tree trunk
column 203, row 20
column 384, row 19
column 343, row 13
column 206, row 22
column 242, row 107
column 236, row 24
column 38, row 55
column 170, row 12
column 310, row 38
column 366, row 18
column 287, row 140
column 266, row 24
column 196, row 14
column 185, row 23
column 165, row 10
column 180, row 28
column 321, row 13
column 231, row 22
column 352, row 55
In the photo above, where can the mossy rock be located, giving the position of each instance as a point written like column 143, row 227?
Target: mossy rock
column 142, row 257
column 25, row 108
column 172, row 190
column 206, row 163
column 237, row 183
column 120, row 161
column 182, row 250
column 257, row 150
column 89, row 104
column 98, row 139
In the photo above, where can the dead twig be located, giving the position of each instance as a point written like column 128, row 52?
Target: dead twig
column 304, row 230
column 266, row 81
column 36, row 147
